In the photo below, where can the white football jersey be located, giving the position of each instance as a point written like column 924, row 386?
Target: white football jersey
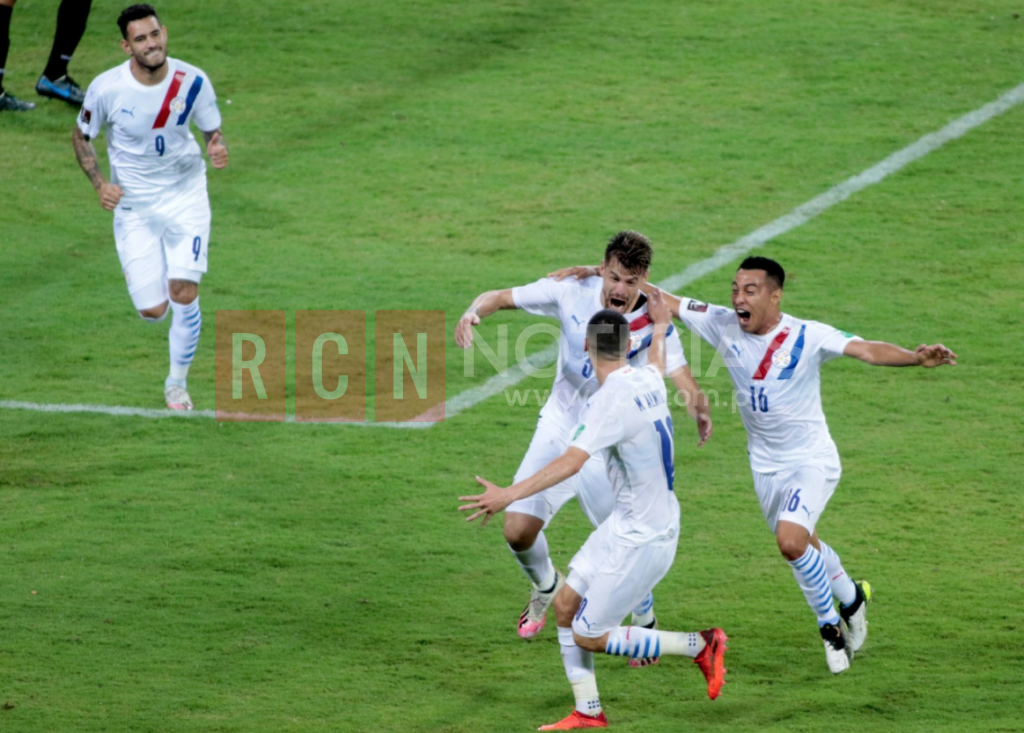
column 628, row 421
column 573, row 302
column 152, row 150
column 777, row 378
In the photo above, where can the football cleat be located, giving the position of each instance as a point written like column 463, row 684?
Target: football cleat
column 177, row 398
column 578, row 720
column 837, row 651
column 535, row 615
column 65, row 88
column 855, row 616
column 711, row 660
column 646, row 661
column 10, row 103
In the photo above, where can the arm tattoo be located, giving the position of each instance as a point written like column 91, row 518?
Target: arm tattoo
column 86, row 154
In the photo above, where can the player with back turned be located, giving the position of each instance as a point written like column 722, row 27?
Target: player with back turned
column 627, row 422
column 157, row 186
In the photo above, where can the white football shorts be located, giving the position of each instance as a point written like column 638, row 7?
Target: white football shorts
column 164, row 242
column 797, row 496
column 590, row 486
column 613, row 578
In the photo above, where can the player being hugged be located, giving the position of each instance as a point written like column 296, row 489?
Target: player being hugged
column 627, row 260
column 627, row 423
column 157, row 186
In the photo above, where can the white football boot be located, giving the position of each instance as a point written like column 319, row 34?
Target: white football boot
column 535, row 615
column 838, row 652
column 177, row 398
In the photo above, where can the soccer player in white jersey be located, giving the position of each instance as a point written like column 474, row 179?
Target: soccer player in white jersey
column 626, row 263
column 157, row 186
column 627, row 422
column 775, row 362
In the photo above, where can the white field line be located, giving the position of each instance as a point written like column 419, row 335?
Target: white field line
column 723, row 256
column 759, row 237
column 122, row 411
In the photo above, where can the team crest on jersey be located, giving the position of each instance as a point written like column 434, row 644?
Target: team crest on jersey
column 635, row 340
column 177, row 105
column 781, row 358
column 696, row 305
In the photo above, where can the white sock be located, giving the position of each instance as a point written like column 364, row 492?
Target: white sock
column 812, row 577
column 579, row 668
column 186, row 324
column 639, row 643
column 643, row 614
column 842, row 586
column 536, row 563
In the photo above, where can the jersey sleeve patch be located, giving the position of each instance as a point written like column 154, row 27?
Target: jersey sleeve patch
column 697, row 306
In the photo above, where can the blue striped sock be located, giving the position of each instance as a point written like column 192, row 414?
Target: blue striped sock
column 812, row 577
column 186, row 325
column 637, row 642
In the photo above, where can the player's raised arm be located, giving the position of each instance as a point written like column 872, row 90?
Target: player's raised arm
column 660, row 315
column 880, row 353
column 216, row 149
column 697, row 406
column 110, row 193
column 495, row 499
column 482, row 306
column 672, row 301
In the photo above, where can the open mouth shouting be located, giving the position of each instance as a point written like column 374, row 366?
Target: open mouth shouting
column 617, row 303
column 744, row 317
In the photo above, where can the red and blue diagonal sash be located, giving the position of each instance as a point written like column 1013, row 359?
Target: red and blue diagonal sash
column 766, row 362
column 172, row 92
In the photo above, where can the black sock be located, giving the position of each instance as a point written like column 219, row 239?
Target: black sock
column 72, row 16
column 5, row 40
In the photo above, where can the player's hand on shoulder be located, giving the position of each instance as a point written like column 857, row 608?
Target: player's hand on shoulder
column 110, row 195
column 579, row 272
column 217, row 150
column 935, row 355
column 464, row 329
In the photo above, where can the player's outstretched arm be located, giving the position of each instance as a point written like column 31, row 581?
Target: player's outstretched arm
column 484, row 305
column 109, row 193
column 495, row 499
column 216, row 149
column 880, row 353
column 696, row 401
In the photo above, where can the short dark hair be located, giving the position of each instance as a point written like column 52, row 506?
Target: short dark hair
column 771, row 268
column 608, row 333
column 134, row 12
column 632, row 249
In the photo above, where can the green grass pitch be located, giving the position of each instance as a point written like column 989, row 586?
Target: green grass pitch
column 187, row 575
